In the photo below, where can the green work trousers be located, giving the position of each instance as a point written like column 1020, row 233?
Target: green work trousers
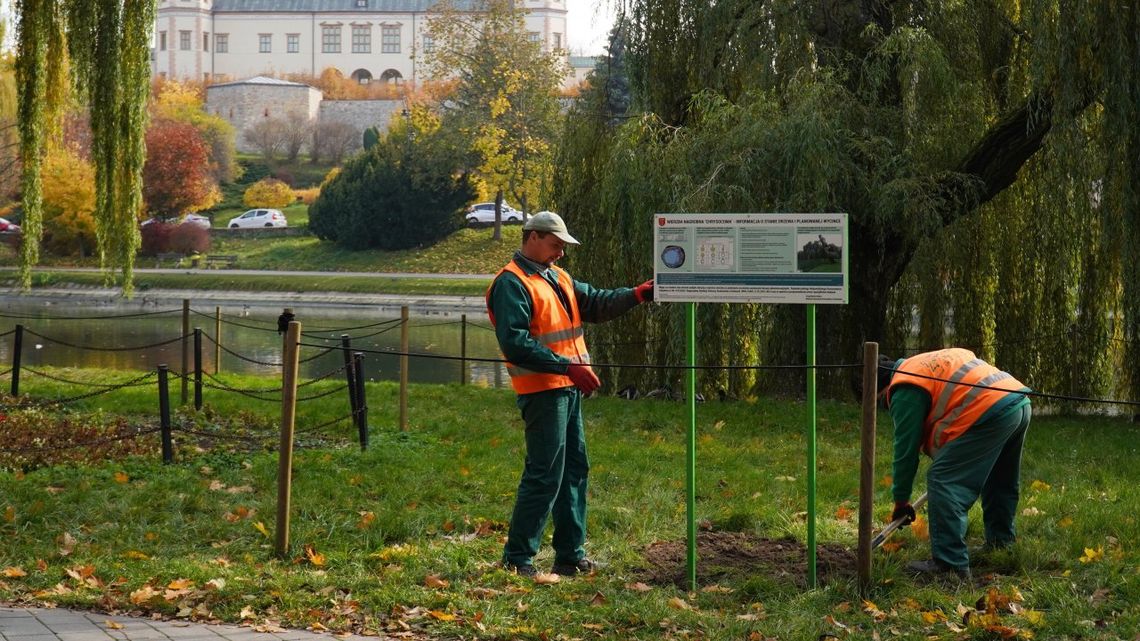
column 553, row 479
column 984, row 461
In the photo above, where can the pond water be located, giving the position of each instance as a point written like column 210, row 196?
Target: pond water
column 133, row 337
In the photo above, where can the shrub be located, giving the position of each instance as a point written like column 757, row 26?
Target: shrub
column 394, row 196
column 189, row 239
column 268, row 192
column 308, row 196
column 156, row 238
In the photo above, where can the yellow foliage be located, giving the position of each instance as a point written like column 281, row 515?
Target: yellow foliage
column 268, row 192
column 307, row 196
column 69, row 202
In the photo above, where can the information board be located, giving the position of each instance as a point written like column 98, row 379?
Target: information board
column 750, row 258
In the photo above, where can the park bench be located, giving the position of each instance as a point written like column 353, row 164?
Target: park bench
column 168, row 257
column 220, row 260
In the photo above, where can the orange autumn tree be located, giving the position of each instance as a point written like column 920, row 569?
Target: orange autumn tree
column 177, row 177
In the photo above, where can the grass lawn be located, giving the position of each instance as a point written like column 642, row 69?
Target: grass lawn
column 405, row 536
column 467, row 251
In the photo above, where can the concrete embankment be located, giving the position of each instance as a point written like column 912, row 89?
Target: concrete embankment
column 100, row 297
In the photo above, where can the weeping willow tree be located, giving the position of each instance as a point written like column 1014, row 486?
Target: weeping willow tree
column 986, row 152
column 107, row 45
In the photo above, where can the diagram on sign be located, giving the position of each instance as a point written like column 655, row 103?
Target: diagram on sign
column 715, row 253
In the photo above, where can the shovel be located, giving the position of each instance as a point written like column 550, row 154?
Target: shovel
column 881, row 537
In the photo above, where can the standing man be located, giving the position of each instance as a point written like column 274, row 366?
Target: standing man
column 970, row 418
column 537, row 310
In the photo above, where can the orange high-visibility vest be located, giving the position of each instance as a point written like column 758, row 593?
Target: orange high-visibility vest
column 551, row 325
column 953, row 408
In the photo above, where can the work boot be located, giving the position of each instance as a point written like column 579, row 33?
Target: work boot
column 582, row 566
column 527, row 570
column 934, row 568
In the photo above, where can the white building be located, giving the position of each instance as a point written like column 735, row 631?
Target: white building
column 368, row 40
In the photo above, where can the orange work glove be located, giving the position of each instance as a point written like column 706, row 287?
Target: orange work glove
column 583, row 377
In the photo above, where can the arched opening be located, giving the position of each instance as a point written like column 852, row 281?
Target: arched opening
column 362, row 76
column 391, row 76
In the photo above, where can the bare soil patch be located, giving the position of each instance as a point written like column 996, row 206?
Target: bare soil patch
column 739, row 555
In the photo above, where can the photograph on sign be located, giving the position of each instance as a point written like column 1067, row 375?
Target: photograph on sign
column 750, row 258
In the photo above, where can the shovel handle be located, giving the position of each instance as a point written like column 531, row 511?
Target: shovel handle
column 881, row 537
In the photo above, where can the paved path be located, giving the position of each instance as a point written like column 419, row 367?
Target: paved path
column 39, row 624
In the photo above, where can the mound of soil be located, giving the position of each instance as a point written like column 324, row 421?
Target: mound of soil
column 736, row 555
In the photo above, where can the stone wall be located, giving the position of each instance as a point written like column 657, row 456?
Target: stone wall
column 245, row 104
column 361, row 114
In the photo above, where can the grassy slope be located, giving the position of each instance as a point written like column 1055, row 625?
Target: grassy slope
column 433, row 501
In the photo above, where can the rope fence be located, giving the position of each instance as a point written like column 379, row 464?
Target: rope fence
column 352, row 370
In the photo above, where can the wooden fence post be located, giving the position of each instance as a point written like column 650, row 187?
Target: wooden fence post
column 867, row 464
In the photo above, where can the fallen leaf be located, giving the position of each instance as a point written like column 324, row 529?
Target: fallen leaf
column 843, row 513
column 114, row 625
column 870, row 608
column 638, row 587
column 788, row 479
column 891, row 546
column 143, row 595
column 66, row 543
column 180, row 584
column 598, row 599
column 677, row 603
column 593, row 626
column 716, row 588
column 1031, row 511
column 543, row 578
column 1039, row 486
column 260, row 527
column 1065, row 522
column 122, row 477
column 433, row 581
column 246, row 613
column 217, row 485
column 240, row 489
column 215, row 584
column 931, row 617
column 1091, row 555
column 14, row 572
column 1035, row 617
column 366, row 519
column 9, row 514
column 135, row 554
column 314, row 557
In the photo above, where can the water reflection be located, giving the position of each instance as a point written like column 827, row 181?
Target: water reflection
column 133, row 338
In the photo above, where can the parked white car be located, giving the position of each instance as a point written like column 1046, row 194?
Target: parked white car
column 197, row 220
column 259, row 218
column 483, row 213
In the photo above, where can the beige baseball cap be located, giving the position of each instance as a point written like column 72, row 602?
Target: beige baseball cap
column 551, row 222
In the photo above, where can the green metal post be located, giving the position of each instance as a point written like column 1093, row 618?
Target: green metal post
column 691, row 451
column 811, row 446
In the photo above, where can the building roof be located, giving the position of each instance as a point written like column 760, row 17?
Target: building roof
column 330, row 6
column 263, row 80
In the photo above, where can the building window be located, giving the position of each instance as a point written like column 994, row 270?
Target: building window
column 221, row 43
column 361, row 39
column 429, row 44
column 184, row 40
column 557, row 40
column 293, row 42
column 162, row 41
column 330, row 39
column 265, row 43
column 390, row 39
column 362, row 4
column 205, row 41
column 534, row 36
